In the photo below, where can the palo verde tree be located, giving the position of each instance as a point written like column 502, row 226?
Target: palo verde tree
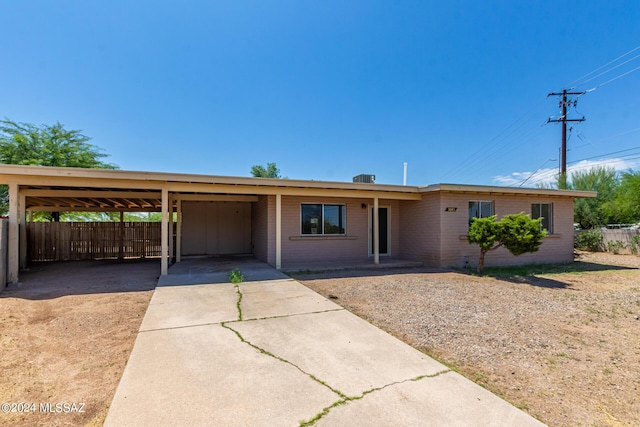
column 271, row 171
column 28, row 144
column 518, row 233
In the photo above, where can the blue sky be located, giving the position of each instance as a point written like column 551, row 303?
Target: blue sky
column 331, row 89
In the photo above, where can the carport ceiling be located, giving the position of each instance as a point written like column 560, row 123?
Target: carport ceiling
column 41, row 198
column 90, row 199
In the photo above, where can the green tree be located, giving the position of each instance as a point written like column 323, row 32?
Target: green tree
column 518, row 233
column 271, row 171
column 593, row 212
column 624, row 207
column 28, row 144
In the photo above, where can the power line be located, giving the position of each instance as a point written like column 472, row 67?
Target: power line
column 550, row 172
column 613, row 79
column 494, row 143
column 608, row 154
column 506, row 137
column 536, row 171
column 601, row 67
column 610, row 70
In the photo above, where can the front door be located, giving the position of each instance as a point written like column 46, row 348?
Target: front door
column 383, row 227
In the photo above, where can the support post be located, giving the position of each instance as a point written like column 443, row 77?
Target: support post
column 278, row 231
column 121, row 236
column 171, row 227
column 13, row 258
column 164, row 261
column 178, row 230
column 23, row 230
column 376, row 232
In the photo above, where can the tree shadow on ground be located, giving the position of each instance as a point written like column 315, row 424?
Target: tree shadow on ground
column 343, row 273
column 527, row 274
column 530, row 274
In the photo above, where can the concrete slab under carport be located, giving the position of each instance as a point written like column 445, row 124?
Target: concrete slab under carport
column 288, row 356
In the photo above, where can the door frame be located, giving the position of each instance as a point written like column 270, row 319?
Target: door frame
column 370, row 230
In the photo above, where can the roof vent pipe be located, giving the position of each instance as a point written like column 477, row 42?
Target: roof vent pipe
column 404, row 178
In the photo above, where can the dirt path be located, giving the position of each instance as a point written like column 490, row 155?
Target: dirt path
column 563, row 345
column 66, row 335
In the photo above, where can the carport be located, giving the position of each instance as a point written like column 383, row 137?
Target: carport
column 215, row 215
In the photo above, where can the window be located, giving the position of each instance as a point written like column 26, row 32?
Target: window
column 544, row 211
column 323, row 219
column 480, row 209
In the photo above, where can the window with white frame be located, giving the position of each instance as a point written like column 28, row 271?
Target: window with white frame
column 322, row 219
column 480, row 209
column 544, row 211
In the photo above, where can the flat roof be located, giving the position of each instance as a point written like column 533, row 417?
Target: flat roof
column 58, row 188
column 487, row 189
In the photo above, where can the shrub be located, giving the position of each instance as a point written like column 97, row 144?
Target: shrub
column 590, row 240
column 518, row 233
column 615, row 246
column 634, row 245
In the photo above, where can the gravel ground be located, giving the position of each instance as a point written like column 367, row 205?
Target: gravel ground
column 562, row 343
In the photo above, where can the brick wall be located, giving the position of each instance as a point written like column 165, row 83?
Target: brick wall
column 297, row 248
column 455, row 249
column 420, row 229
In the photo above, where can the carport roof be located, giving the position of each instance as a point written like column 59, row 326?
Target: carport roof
column 58, row 188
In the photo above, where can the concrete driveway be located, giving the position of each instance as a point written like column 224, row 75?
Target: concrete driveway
column 271, row 352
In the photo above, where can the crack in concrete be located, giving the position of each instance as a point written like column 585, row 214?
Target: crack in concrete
column 239, row 303
column 268, row 353
column 347, row 399
column 240, row 319
column 344, row 399
column 285, row 315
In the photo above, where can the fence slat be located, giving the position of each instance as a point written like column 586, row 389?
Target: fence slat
column 73, row 241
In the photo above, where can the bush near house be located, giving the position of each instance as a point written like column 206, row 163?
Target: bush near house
column 615, row 246
column 516, row 232
column 590, row 240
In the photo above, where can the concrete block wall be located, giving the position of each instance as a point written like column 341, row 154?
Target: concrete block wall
column 455, row 249
column 354, row 246
column 420, row 236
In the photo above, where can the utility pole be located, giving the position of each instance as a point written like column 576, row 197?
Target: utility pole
column 564, row 120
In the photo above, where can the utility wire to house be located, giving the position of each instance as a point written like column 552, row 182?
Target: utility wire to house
column 497, row 144
column 516, row 135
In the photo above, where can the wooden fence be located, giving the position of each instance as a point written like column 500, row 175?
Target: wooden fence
column 69, row 241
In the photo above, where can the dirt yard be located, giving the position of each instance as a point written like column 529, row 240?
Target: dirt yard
column 65, row 336
column 560, row 342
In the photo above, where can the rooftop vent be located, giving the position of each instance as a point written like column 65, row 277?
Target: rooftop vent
column 363, row 177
